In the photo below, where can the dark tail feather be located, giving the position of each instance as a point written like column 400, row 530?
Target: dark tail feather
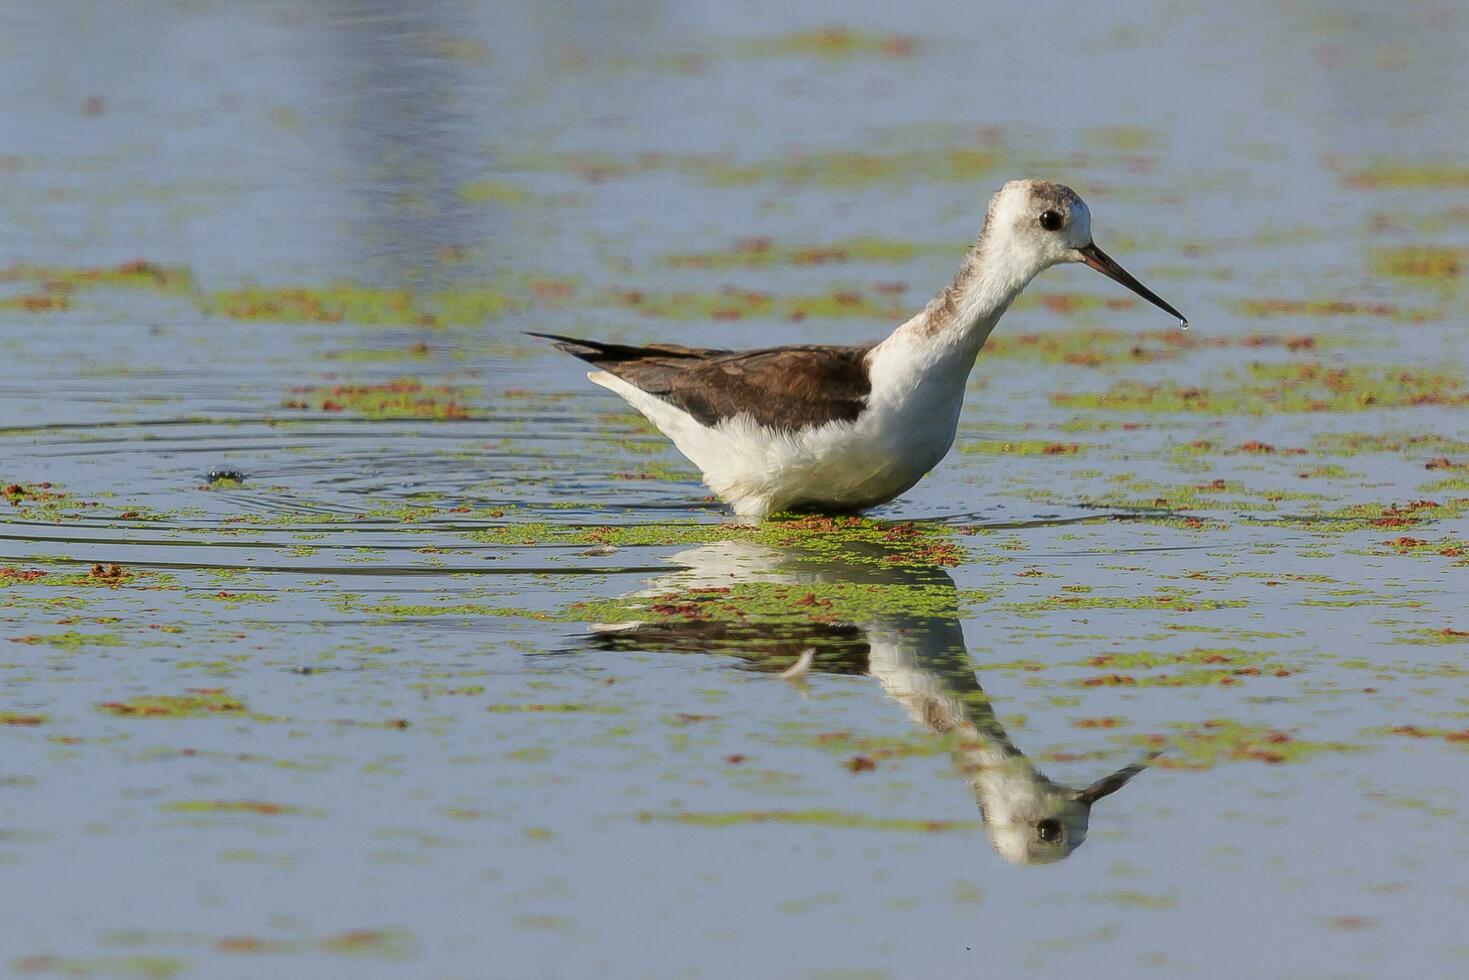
column 597, row 352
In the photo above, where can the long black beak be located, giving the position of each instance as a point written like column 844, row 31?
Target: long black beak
column 1107, row 266
column 1108, row 785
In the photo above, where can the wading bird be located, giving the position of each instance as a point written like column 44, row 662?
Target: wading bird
column 840, row 429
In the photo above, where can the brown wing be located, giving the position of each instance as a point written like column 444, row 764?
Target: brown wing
column 781, row 387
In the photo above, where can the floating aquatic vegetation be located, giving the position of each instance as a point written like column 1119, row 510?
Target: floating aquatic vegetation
column 1206, row 745
column 855, row 539
column 1333, row 308
column 751, row 253
column 138, row 274
column 818, row 818
column 36, row 302
column 830, row 168
column 1165, row 600
column 1096, row 347
column 146, row 967
column 348, row 302
column 401, row 398
column 496, row 191
column 1284, row 388
column 831, row 43
column 1420, row 262
column 1019, row 447
column 258, row 807
column 1408, row 176
column 196, row 703
column 70, row 640
column 731, row 303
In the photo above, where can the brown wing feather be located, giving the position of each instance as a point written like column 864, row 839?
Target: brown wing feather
column 781, row 387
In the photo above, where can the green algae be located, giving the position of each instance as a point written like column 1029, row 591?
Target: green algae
column 1165, row 601
column 825, row 168
column 1396, row 175
column 837, row 819
column 71, row 641
column 1019, row 447
column 1093, row 347
column 144, row 967
column 197, row 703
column 756, row 253
column 255, row 807
column 348, row 302
column 830, row 44
column 732, row 303
column 138, row 274
column 855, row 539
column 1420, row 262
column 400, row 398
column 1434, row 637
column 1203, row 746
column 1270, row 388
column 556, row 708
column 494, row 192
column 1259, row 308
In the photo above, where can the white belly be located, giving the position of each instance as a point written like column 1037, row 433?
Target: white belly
column 843, row 466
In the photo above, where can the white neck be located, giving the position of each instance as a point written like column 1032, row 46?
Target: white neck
column 961, row 317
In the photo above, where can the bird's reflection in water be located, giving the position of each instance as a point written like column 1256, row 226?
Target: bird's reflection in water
column 898, row 623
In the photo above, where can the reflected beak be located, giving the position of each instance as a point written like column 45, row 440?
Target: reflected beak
column 1107, row 266
column 1108, row 785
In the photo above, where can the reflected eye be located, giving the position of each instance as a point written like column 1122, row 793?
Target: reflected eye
column 1050, row 220
column 1049, row 831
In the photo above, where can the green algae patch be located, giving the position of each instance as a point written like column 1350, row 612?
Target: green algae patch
column 757, row 604
column 732, row 303
column 347, row 302
column 853, row 539
column 1209, row 668
column 1269, row 388
column 71, row 641
column 143, row 967
column 1260, row 308
column 872, row 746
column 830, row 44
column 825, row 168
column 838, row 819
column 386, row 943
column 556, row 708
column 1213, row 742
column 256, row 807
column 1455, row 736
column 494, row 192
column 138, row 274
column 1420, row 262
column 36, row 302
column 1438, row 637
column 755, row 253
column 401, row 398
column 1164, row 601
column 1019, row 447
column 1097, row 347
column 196, row 703
column 17, row 719
column 1408, row 176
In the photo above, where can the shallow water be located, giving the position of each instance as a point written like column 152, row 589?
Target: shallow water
column 349, row 703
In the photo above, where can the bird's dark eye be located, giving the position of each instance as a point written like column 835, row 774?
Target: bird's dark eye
column 1050, row 220
column 1048, row 831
